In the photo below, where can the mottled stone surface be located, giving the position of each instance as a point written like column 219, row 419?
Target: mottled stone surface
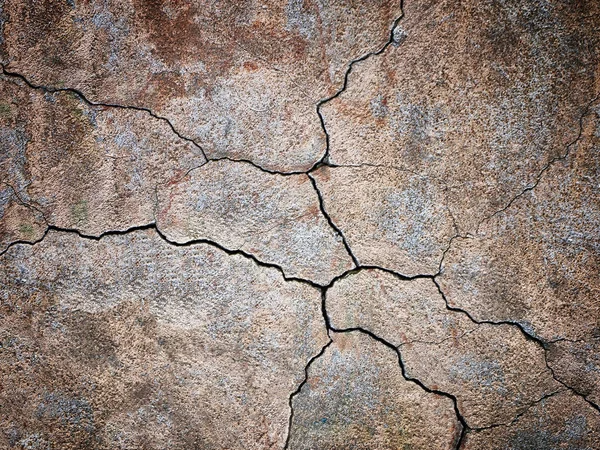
column 537, row 263
column 392, row 219
column 241, row 78
column 563, row 421
column 493, row 371
column 80, row 166
column 130, row 342
column 477, row 96
column 356, row 397
column 304, row 224
column 276, row 218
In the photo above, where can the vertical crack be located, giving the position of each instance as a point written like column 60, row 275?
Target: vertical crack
column 393, row 38
column 299, row 388
column 331, row 223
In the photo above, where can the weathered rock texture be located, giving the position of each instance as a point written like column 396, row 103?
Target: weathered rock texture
column 300, row 224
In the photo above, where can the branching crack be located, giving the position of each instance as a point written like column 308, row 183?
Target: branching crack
column 459, row 417
column 548, row 165
column 528, row 335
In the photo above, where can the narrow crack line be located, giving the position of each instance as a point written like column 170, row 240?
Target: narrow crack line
column 519, row 415
column 259, row 167
column 299, row 388
column 572, row 389
column 323, row 102
column 25, row 203
column 190, row 243
column 361, row 268
column 441, row 341
column 548, row 165
column 101, row 104
column 529, row 336
column 379, row 166
column 330, row 221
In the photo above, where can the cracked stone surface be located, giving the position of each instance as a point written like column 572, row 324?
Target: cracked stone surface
column 392, row 219
column 356, row 397
column 79, row 166
column 493, row 371
column 275, row 217
column 537, row 262
column 561, row 421
column 477, row 97
column 129, row 342
column 300, row 224
column 242, row 78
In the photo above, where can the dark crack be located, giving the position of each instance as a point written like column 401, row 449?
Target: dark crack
column 464, row 426
column 391, row 40
column 190, row 243
column 299, row 388
column 331, row 223
column 528, row 335
column 80, row 94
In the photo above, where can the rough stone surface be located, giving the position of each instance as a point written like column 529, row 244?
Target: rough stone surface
column 493, row 371
column 129, row 342
column 356, row 397
column 241, row 78
column 276, row 218
column 303, row 224
column 479, row 97
column 558, row 422
column 537, row 263
column 392, row 219
column 79, row 166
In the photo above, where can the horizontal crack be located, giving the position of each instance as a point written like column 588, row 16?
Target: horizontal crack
column 105, row 105
column 152, row 226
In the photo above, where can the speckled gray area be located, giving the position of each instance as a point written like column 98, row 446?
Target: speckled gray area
column 294, row 224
